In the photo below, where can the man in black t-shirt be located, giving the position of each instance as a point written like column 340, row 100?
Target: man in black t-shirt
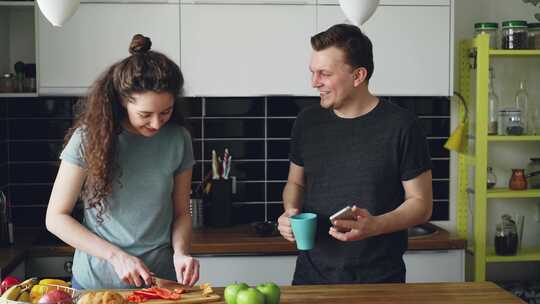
column 355, row 149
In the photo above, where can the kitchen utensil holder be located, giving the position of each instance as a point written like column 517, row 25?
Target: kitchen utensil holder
column 219, row 204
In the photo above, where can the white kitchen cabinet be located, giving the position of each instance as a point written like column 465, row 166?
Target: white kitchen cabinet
column 72, row 57
column 247, row 50
column 17, row 42
column 412, row 48
column 422, row 266
column 398, row 2
column 435, row 265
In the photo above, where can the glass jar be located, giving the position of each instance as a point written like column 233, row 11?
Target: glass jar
column 533, row 173
column 510, row 122
column 491, row 178
column 490, row 28
column 7, row 83
column 518, row 181
column 534, row 36
column 514, row 35
column 506, row 237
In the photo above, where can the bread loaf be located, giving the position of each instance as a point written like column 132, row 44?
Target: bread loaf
column 102, row 297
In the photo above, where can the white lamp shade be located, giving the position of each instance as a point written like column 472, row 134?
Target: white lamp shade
column 58, row 11
column 358, row 11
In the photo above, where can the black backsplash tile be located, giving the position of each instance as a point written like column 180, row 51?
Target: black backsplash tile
column 278, row 170
column 29, row 216
column 275, row 191
column 193, row 106
column 234, row 128
column 428, row 106
column 441, row 211
column 195, row 127
column 274, row 211
column 60, row 107
column 289, row 106
column 3, row 129
column 4, row 174
column 278, row 149
column 245, row 214
column 32, row 120
column 197, row 171
column 280, row 128
column 3, row 108
column 239, row 149
column 30, row 194
column 223, row 107
column 441, row 190
column 249, row 192
column 435, row 127
column 33, row 173
column 35, row 151
column 35, row 129
column 441, row 168
column 3, row 152
column 197, row 149
column 436, row 148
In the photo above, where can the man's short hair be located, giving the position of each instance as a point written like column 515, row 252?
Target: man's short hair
column 355, row 45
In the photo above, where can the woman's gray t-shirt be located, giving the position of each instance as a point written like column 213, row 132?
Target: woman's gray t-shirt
column 140, row 209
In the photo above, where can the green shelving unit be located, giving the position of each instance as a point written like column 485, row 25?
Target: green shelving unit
column 476, row 53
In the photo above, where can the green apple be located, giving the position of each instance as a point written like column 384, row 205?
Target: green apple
column 270, row 291
column 232, row 290
column 249, row 296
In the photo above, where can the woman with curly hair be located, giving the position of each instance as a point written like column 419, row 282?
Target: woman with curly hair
column 129, row 158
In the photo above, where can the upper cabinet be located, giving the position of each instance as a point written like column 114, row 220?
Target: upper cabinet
column 412, row 48
column 73, row 56
column 247, row 50
column 17, row 46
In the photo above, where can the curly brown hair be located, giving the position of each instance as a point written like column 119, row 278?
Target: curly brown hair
column 100, row 114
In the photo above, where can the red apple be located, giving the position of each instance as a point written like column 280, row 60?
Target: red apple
column 56, row 297
column 7, row 282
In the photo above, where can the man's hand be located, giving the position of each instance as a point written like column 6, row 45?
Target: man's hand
column 284, row 224
column 363, row 227
column 187, row 269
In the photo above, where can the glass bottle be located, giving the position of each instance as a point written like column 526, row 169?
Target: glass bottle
column 491, row 178
column 506, row 237
column 522, row 103
column 493, row 105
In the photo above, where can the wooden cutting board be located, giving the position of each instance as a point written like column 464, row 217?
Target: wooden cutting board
column 192, row 296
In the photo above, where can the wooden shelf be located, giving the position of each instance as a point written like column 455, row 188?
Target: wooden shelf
column 17, row 3
column 507, row 193
column 509, row 138
column 523, row 255
column 511, row 53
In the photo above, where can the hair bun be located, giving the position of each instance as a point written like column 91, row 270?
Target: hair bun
column 139, row 44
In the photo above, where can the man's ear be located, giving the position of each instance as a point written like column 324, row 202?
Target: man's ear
column 359, row 76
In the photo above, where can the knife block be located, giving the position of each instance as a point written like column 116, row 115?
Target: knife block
column 219, row 204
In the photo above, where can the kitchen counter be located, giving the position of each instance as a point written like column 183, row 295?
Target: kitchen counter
column 418, row 293
column 237, row 240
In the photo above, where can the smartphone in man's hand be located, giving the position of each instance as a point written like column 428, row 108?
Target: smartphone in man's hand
column 343, row 214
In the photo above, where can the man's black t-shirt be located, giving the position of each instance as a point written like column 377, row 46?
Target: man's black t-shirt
column 360, row 161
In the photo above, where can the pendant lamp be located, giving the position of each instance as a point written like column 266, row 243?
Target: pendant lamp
column 58, row 11
column 358, row 11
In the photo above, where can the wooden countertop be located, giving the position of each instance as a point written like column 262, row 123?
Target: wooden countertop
column 237, row 240
column 417, row 293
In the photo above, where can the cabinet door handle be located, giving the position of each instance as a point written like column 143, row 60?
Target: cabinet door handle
column 68, row 266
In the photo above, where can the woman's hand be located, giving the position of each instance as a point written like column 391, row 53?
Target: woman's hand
column 187, row 269
column 131, row 269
